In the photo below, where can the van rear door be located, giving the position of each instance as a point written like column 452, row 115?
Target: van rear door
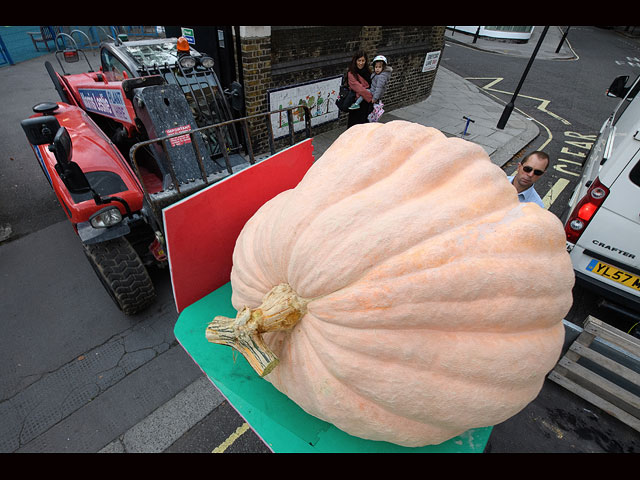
column 624, row 198
column 623, row 205
column 615, row 228
column 609, row 249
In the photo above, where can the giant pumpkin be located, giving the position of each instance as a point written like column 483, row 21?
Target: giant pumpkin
column 401, row 291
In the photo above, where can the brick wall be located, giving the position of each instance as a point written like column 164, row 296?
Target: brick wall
column 282, row 56
column 256, row 72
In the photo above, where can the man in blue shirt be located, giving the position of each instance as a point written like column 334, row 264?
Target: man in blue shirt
column 529, row 171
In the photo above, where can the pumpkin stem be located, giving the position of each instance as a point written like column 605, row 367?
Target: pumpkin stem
column 281, row 309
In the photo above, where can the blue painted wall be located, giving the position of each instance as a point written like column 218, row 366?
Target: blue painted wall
column 19, row 44
column 20, row 47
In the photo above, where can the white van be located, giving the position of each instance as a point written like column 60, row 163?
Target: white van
column 602, row 222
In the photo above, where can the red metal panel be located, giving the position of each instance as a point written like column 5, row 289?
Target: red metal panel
column 201, row 230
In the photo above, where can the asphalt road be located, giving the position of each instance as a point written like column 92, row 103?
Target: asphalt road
column 28, row 204
column 75, row 373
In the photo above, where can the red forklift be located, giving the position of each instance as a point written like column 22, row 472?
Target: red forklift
column 150, row 127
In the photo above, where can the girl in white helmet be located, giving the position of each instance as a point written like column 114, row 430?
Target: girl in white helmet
column 379, row 80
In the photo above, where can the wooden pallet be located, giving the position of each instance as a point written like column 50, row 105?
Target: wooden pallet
column 608, row 389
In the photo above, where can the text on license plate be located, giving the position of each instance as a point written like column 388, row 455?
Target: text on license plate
column 614, row 273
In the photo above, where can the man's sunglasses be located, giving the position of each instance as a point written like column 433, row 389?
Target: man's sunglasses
column 528, row 169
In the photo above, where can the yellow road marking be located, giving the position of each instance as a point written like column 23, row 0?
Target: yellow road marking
column 543, row 103
column 232, row 438
column 550, row 135
column 554, row 191
column 561, row 183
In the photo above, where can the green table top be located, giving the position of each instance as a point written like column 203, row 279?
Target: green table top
column 281, row 423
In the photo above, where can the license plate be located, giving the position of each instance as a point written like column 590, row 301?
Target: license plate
column 614, row 273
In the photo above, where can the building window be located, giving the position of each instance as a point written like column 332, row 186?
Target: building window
column 503, row 28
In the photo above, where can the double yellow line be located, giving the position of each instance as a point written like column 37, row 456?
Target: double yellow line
column 232, row 438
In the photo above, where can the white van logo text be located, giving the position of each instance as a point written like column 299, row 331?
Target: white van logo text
column 613, row 249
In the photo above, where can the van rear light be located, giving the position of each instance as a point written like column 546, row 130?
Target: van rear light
column 585, row 210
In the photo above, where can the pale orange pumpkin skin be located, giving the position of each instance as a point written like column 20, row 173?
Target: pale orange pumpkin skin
column 436, row 299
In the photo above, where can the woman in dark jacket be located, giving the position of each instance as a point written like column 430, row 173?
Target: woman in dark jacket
column 359, row 78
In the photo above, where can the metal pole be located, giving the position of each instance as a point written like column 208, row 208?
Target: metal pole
column 509, row 107
column 563, row 37
column 475, row 37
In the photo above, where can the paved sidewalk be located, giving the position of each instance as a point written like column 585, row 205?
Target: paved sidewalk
column 547, row 50
column 452, row 99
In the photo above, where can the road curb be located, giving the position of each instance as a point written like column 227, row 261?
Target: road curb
column 170, row 421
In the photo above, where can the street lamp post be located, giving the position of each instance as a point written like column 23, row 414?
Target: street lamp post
column 475, row 37
column 562, row 40
column 509, row 107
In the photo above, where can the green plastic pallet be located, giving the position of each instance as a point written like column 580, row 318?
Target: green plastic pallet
column 282, row 424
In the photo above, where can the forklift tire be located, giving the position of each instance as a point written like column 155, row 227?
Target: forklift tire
column 122, row 274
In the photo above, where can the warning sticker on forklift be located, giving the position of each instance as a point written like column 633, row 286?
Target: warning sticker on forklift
column 106, row 102
column 182, row 139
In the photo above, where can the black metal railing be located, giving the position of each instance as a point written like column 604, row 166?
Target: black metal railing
column 177, row 190
column 195, row 83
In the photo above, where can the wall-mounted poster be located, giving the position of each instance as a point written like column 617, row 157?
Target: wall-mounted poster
column 319, row 95
column 431, row 61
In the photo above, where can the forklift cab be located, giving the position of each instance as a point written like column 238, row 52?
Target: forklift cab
column 138, row 58
column 178, row 64
column 113, row 68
